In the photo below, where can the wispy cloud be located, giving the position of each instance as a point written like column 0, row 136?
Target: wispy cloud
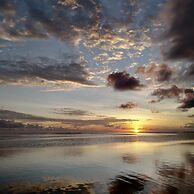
column 74, row 112
column 14, row 115
column 98, row 123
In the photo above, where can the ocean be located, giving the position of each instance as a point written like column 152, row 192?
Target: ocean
column 97, row 163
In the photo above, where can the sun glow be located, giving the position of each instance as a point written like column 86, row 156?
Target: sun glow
column 136, row 130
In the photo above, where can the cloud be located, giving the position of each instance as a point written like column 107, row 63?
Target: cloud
column 188, row 101
column 128, row 105
column 42, row 71
column 106, row 123
column 183, row 96
column 13, row 115
column 191, row 70
column 168, row 74
column 173, row 92
column 7, row 8
column 185, row 74
column 157, row 72
column 73, row 112
column 98, row 24
column 106, row 58
column 123, row 81
column 48, row 18
column 95, row 123
column 179, row 31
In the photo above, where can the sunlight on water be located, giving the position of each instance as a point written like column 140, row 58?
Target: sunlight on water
column 115, row 164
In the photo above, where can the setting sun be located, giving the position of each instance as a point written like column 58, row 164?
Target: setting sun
column 137, row 126
column 136, row 130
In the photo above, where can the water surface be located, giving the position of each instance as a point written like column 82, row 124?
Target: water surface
column 97, row 163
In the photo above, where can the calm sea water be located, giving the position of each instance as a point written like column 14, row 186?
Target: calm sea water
column 143, row 163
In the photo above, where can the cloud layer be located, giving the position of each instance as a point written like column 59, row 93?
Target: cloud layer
column 119, row 25
column 42, row 71
column 94, row 123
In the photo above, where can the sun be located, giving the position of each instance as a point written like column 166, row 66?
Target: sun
column 136, row 130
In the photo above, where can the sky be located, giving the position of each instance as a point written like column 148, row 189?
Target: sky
column 97, row 65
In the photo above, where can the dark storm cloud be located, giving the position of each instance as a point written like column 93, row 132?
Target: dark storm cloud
column 123, row 81
column 188, row 101
column 179, row 32
column 128, row 105
column 7, row 8
column 72, row 112
column 41, row 70
column 4, row 5
column 160, row 73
